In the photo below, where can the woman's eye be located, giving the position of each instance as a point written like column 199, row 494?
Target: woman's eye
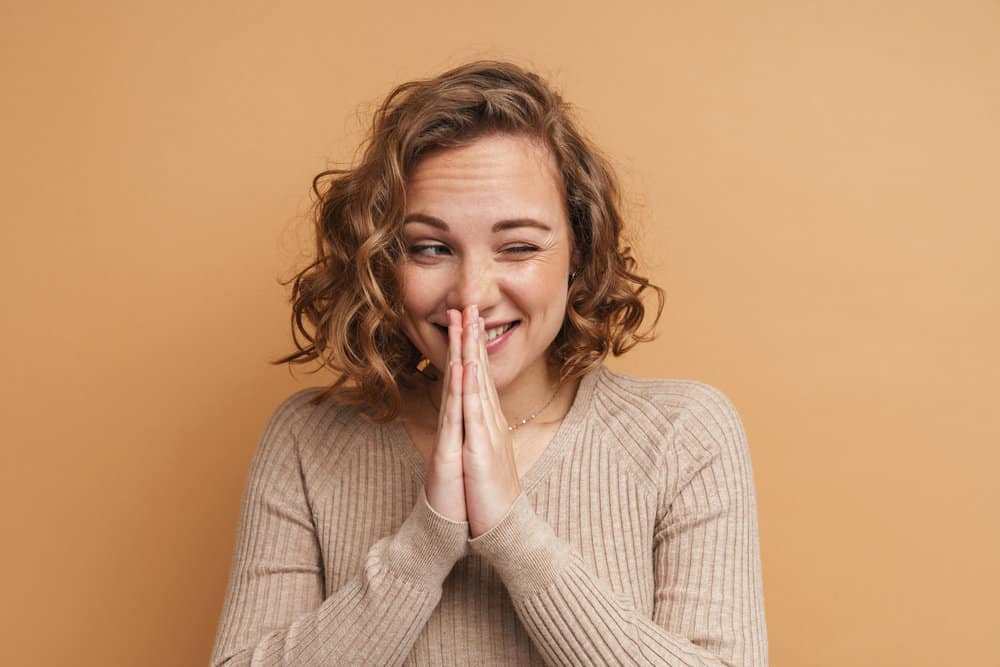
column 428, row 249
column 521, row 249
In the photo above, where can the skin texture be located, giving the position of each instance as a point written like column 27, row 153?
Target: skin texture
column 474, row 263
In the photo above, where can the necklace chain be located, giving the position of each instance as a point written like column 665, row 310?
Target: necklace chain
column 515, row 425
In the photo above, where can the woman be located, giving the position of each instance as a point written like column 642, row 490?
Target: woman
column 476, row 487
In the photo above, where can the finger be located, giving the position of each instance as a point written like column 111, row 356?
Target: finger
column 476, row 432
column 472, row 352
column 444, row 393
column 454, row 335
column 445, row 383
column 470, row 323
column 450, row 424
column 491, row 401
column 454, row 353
column 453, row 356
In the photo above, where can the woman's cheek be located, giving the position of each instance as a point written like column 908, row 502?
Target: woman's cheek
column 410, row 286
column 424, row 290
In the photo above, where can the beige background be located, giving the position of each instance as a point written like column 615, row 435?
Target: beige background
column 815, row 184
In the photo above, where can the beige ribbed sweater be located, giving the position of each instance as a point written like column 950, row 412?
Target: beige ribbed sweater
column 634, row 541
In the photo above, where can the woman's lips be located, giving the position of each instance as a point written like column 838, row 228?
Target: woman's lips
column 499, row 341
column 491, row 345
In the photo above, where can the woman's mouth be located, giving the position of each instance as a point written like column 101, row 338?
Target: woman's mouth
column 495, row 336
column 491, row 334
column 500, row 334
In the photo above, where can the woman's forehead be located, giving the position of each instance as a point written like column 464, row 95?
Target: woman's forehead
column 496, row 177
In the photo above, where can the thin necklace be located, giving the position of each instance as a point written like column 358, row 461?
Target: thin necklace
column 515, row 425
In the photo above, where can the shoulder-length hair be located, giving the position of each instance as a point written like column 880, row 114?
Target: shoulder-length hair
column 346, row 302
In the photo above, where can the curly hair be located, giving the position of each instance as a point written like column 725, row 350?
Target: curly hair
column 349, row 294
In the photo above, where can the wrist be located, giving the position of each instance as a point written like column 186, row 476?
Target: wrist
column 523, row 548
column 426, row 546
column 483, row 523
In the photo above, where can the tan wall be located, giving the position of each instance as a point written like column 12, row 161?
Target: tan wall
column 817, row 188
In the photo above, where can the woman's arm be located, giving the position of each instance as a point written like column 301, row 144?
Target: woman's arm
column 274, row 612
column 708, row 605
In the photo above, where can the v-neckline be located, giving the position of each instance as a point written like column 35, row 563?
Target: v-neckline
column 395, row 433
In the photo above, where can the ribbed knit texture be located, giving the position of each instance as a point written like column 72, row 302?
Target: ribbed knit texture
column 634, row 542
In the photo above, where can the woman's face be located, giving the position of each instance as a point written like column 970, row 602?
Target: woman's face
column 486, row 224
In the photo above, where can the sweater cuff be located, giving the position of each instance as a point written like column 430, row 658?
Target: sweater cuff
column 526, row 552
column 426, row 546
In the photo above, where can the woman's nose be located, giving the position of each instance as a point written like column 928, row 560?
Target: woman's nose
column 474, row 283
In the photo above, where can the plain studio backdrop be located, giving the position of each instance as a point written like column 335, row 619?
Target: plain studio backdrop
column 815, row 185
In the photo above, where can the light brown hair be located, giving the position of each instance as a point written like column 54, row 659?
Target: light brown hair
column 346, row 302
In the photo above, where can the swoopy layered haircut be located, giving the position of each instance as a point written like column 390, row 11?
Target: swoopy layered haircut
column 346, row 302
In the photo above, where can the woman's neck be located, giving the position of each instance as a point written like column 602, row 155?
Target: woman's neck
column 528, row 393
column 536, row 391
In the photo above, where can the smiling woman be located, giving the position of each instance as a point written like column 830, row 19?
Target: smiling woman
column 476, row 487
column 508, row 249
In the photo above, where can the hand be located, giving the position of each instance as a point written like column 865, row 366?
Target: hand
column 445, row 487
column 490, row 471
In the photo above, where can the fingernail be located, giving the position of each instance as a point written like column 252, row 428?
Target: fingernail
column 474, row 312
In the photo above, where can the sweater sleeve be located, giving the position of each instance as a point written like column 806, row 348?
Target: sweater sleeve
column 708, row 600
column 274, row 612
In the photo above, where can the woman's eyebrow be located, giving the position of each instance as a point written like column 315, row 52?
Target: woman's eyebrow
column 520, row 222
column 427, row 220
column 500, row 226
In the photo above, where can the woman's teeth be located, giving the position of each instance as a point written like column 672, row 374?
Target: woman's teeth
column 497, row 331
